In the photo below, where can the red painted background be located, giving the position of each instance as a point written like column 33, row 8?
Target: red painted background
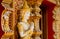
column 1, row 9
column 49, row 7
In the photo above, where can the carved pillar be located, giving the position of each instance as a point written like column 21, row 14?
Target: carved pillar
column 56, row 17
column 56, row 22
column 36, row 21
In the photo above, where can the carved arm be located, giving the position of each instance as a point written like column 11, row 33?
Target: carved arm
column 21, row 30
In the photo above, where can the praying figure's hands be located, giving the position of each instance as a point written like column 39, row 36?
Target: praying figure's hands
column 32, row 26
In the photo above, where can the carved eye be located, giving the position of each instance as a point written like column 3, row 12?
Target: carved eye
column 27, row 13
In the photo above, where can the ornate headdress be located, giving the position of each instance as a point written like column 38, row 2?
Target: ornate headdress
column 25, row 9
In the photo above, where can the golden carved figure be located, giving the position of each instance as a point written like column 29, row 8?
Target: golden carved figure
column 27, row 21
column 5, row 24
column 25, row 28
column 5, row 17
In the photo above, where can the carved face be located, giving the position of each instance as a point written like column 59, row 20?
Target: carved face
column 6, row 15
column 25, row 12
column 27, row 15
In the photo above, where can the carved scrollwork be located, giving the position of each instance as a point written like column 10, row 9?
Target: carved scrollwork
column 56, row 22
column 22, row 15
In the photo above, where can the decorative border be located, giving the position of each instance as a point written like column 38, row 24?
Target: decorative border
column 56, row 22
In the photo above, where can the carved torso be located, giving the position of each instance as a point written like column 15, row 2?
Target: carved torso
column 25, row 25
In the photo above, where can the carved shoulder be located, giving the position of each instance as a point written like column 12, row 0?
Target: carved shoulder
column 20, row 27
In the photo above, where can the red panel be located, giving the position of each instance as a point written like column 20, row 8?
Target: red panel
column 1, row 9
column 50, row 6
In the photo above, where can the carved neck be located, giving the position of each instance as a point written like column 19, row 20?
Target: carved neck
column 24, row 20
